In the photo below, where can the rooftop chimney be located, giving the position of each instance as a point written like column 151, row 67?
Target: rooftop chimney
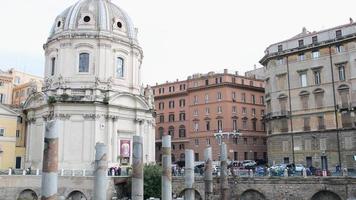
column 304, row 30
column 254, row 66
column 236, row 73
column 225, row 71
column 351, row 20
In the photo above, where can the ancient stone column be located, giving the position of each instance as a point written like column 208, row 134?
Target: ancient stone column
column 208, row 173
column 49, row 185
column 189, row 175
column 167, row 168
column 137, row 169
column 223, row 174
column 101, row 166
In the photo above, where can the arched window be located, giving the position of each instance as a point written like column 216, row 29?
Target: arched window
column 171, row 131
column 119, row 67
column 84, row 62
column 53, row 65
column 160, row 131
column 181, row 131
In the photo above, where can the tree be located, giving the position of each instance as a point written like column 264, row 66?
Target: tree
column 152, row 181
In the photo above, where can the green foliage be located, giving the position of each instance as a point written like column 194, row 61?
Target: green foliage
column 152, row 181
column 51, row 100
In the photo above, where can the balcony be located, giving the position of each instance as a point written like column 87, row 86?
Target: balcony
column 276, row 115
column 306, row 128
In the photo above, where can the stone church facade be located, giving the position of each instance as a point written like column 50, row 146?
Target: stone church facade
column 92, row 88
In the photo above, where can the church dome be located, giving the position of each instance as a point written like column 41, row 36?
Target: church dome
column 95, row 17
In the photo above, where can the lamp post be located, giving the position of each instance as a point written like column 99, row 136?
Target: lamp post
column 223, row 161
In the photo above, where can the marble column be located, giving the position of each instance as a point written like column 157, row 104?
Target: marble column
column 49, row 185
column 189, row 175
column 109, row 138
column 137, row 170
column 223, row 172
column 208, row 173
column 100, row 176
column 167, row 168
column 115, row 141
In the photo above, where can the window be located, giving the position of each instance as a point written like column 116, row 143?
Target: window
column 253, row 110
column 315, row 39
column 280, row 48
column 262, row 112
column 206, row 98
column 234, row 109
column 253, row 99
column 244, row 111
column 161, row 105
column 339, row 48
column 220, row 125
column 242, row 81
column 315, row 54
column 219, row 109
column 2, row 98
column 306, row 123
column 17, row 80
column 317, row 77
column 243, row 97
column 161, row 118
column 196, row 157
column 196, row 141
column 207, row 111
column 341, row 69
column 319, row 99
column 245, row 140
column 181, row 146
column 254, row 140
column 207, row 125
column 1, row 83
column 195, row 84
column 244, row 124
column 262, row 100
column 196, row 126
column 84, row 62
column 171, row 104
column 304, row 101
column 171, row 131
column 301, row 57
column 207, row 82
column 233, row 95
column 119, row 67
column 53, row 65
column 220, row 79
column 219, row 96
column 338, row 33
column 233, row 80
column 181, row 116
column 171, row 89
column 280, row 61
column 182, row 103
column 301, row 43
column 195, row 100
column 195, row 112
column 254, row 125
column 17, row 133
column 208, row 141
column 251, row 83
column 321, row 124
column 181, row 131
column 303, row 79
column 2, row 131
column 171, row 118
column 234, row 124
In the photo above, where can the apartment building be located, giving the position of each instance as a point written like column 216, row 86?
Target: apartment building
column 311, row 98
column 192, row 111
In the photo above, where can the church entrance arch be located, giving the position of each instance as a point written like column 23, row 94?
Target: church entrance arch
column 27, row 194
column 325, row 195
column 252, row 194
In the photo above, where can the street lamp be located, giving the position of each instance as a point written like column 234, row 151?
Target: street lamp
column 220, row 135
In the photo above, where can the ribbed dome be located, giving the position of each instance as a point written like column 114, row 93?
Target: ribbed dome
column 94, row 15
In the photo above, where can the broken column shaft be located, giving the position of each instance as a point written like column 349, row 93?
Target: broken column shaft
column 223, row 174
column 137, row 169
column 208, row 173
column 167, row 168
column 101, row 166
column 49, row 183
column 189, row 175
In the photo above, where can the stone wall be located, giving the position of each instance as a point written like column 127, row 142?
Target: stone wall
column 278, row 188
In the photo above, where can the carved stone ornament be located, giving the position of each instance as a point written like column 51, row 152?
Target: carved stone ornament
column 48, row 116
column 113, row 117
column 91, row 116
column 62, row 116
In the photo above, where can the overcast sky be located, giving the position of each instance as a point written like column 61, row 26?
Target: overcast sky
column 178, row 37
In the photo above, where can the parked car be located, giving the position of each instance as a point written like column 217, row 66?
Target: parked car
column 299, row 167
column 249, row 163
column 278, row 169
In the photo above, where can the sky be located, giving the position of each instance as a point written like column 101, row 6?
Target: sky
column 181, row 37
